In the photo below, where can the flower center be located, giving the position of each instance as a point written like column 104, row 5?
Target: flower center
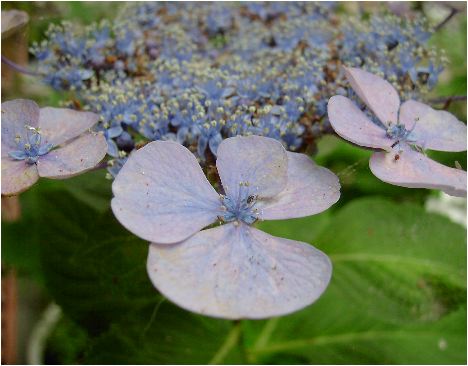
column 30, row 148
column 242, row 208
column 399, row 132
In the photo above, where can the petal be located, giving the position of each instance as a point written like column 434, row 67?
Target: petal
column 239, row 272
column 17, row 155
column 16, row 114
column 352, row 124
column 311, row 189
column 162, row 195
column 413, row 169
column 260, row 161
column 432, row 129
column 12, row 21
column 17, row 176
column 460, row 192
column 59, row 125
column 201, row 146
column 378, row 94
column 114, row 132
column 74, row 158
column 112, row 148
column 214, row 143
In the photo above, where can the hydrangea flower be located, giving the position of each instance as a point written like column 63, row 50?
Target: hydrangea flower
column 233, row 270
column 46, row 142
column 404, row 131
column 192, row 71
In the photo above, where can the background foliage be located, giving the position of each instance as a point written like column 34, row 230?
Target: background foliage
column 398, row 292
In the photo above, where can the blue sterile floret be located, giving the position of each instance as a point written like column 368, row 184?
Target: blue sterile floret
column 199, row 73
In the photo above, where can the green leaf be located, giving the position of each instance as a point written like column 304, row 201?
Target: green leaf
column 20, row 239
column 92, row 189
column 304, row 229
column 66, row 344
column 93, row 267
column 96, row 271
column 170, row 336
column 397, row 295
column 351, row 164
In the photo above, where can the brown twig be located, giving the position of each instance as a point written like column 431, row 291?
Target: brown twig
column 9, row 317
column 446, row 101
column 439, row 26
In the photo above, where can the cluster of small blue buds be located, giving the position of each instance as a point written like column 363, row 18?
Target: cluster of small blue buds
column 197, row 73
column 30, row 147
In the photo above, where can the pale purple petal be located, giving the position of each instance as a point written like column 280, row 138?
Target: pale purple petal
column 432, row 129
column 311, row 189
column 74, row 158
column 239, row 272
column 408, row 168
column 378, row 94
column 16, row 114
column 260, row 162
column 59, row 125
column 162, row 195
column 460, row 192
column 17, row 176
column 12, row 21
column 352, row 124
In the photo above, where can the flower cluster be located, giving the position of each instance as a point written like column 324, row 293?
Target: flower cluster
column 200, row 73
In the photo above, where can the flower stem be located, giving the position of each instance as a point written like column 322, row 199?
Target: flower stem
column 18, row 68
column 446, row 101
column 439, row 26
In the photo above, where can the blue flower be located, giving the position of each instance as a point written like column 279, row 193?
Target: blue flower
column 162, row 195
column 403, row 133
column 46, row 142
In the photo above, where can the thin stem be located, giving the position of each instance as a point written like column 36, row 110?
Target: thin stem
column 446, row 101
column 153, row 315
column 439, row 26
column 17, row 67
column 240, row 342
column 233, row 338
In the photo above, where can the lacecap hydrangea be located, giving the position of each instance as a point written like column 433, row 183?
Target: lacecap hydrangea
column 200, row 73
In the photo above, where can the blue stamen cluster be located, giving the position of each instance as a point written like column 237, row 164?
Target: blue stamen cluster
column 241, row 208
column 30, row 148
column 197, row 73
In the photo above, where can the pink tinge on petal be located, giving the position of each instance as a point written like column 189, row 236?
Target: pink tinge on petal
column 76, row 157
column 238, row 272
column 352, row 124
column 16, row 115
column 17, row 176
column 162, row 195
column 408, row 168
column 261, row 162
column 310, row 189
column 59, row 125
column 432, row 129
column 378, row 94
